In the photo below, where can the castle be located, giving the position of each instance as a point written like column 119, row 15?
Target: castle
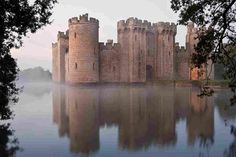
column 144, row 52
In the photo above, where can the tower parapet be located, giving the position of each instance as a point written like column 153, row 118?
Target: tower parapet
column 165, row 27
column 54, row 45
column 83, row 19
column 134, row 23
column 64, row 35
column 109, row 45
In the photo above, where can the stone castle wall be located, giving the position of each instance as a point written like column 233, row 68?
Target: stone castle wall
column 109, row 62
column 144, row 52
column 182, row 63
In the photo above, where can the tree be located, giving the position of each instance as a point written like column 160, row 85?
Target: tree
column 216, row 43
column 8, row 142
column 17, row 19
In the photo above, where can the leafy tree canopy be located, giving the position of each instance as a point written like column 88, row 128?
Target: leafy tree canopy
column 218, row 41
column 17, row 18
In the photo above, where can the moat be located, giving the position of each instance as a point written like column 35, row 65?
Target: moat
column 139, row 120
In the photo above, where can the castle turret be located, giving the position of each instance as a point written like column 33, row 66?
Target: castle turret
column 54, row 62
column 83, row 50
column 191, row 37
column 165, row 48
column 58, row 54
column 132, row 36
column 191, row 42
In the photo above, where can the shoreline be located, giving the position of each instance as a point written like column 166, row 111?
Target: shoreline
column 176, row 83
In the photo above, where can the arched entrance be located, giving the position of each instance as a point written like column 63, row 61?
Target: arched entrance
column 149, row 73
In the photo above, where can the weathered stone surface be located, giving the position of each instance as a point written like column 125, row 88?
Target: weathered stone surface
column 144, row 52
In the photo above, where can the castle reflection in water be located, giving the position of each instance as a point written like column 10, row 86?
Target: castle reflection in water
column 144, row 115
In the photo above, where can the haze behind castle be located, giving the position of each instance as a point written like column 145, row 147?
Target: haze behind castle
column 37, row 48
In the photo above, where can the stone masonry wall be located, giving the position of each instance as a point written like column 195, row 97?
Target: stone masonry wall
column 109, row 62
column 150, row 56
column 132, row 36
column 83, row 50
column 182, row 63
column 190, row 44
column 144, row 52
column 62, row 43
column 58, row 52
column 54, row 62
column 165, row 40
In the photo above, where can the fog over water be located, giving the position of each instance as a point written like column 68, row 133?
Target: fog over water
column 141, row 120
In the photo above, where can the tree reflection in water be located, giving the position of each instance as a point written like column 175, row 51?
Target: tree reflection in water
column 231, row 150
column 9, row 144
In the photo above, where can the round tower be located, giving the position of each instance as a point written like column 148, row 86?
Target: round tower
column 83, row 50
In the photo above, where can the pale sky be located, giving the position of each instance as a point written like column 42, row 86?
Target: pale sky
column 36, row 50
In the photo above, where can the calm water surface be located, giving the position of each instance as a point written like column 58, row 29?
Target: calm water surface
column 122, row 121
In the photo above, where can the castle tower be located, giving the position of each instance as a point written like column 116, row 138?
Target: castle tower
column 190, row 37
column 132, row 38
column 82, row 59
column 123, row 37
column 59, row 51
column 54, row 62
column 165, row 50
column 190, row 44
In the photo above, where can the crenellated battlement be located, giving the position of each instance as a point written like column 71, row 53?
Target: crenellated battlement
column 145, row 51
column 134, row 23
column 179, row 49
column 166, row 27
column 109, row 45
column 54, row 45
column 63, row 35
column 83, row 19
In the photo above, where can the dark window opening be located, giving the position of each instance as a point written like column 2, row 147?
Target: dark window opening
column 93, row 66
column 76, row 66
column 139, row 70
column 114, row 69
column 75, row 35
column 67, row 50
